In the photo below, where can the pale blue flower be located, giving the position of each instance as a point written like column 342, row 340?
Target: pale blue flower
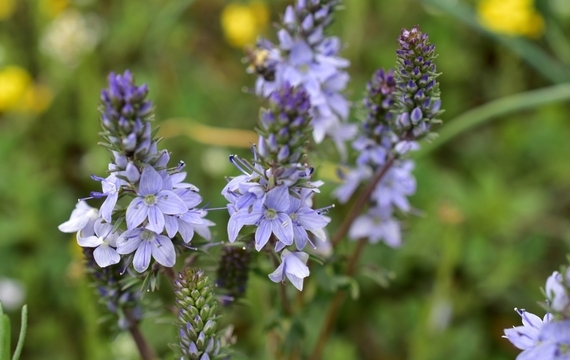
column 271, row 218
column 557, row 292
column 397, row 184
column 293, row 266
column 351, row 181
column 104, row 240
column 146, row 244
column 111, row 187
column 82, row 219
column 304, row 219
column 375, row 225
column 274, row 218
column 526, row 337
column 153, row 202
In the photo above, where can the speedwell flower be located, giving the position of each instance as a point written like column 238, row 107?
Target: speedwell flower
column 146, row 243
column 153, row 202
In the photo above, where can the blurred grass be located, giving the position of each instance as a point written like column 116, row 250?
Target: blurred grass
column 494, row 200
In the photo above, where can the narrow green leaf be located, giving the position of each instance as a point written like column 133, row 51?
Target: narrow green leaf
column 4, row 335
column 496, row 108
column 22, row 336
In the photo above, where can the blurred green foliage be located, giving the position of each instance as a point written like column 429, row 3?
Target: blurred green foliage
column 493, row 202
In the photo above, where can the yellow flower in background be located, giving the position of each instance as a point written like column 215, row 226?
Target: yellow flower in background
column 19, row 93
column 242, row 23
column 7, row 8
column 14, row 82
column 511, row 17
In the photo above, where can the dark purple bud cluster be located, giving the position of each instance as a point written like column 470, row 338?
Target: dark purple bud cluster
column 309, row 18
column 417, row 90
column 284, row 127
column 125, row 116
column 378, row 102
column 233, row 272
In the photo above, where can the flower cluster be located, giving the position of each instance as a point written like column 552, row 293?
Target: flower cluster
column 417, row 90
column 233, row 272
column 197, row 319
column 161, row 203
column 305, row 56
column 274, row 192
column 400, row 108
column 549, row 338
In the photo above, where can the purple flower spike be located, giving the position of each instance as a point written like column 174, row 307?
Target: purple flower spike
column 153, row 202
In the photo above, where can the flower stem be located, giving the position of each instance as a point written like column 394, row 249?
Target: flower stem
column 143, row 346
column 361, row 201
column 282, row 290
column 336, row 303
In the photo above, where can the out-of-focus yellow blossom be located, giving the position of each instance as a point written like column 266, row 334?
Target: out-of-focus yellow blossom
column 7, row 8
column 52, row 8
column 14, row 82
column 37, row 98
column 511, row 17
column 242, row 23
column 19, row 93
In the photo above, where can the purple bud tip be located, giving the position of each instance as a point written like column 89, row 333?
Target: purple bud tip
column 416, row 115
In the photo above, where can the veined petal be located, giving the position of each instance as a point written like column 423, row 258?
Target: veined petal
column 155, row 219
column 546, row 351
column 129, row 241
column 171, row 225
column 192, row 217
column 190, row 197
column 169, row 203
column 279, row 274
column 142, row 256
column 186, row 231
column 150, row 183
column 89, row 241
column 282, row 227
column 105, row 255
column 238, row 220
column 108, row 206
column 301, row 237
column 136, row 213
column 278, row 198
column 163, row 251
column 262, row 234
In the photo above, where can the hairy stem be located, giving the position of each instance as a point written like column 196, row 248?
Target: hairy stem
column 361, row 201
column 336, row 303
column 143, row 346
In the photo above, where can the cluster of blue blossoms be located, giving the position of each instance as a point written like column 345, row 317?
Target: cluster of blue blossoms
column 274, row 192
column 401, row 107
column 306, row 57
column 161, row 204
column 547, row 338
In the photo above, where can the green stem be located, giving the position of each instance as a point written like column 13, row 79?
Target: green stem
column 496, row 108
column 23, row 328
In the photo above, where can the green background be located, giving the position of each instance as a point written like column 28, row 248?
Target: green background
column 493, row 202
